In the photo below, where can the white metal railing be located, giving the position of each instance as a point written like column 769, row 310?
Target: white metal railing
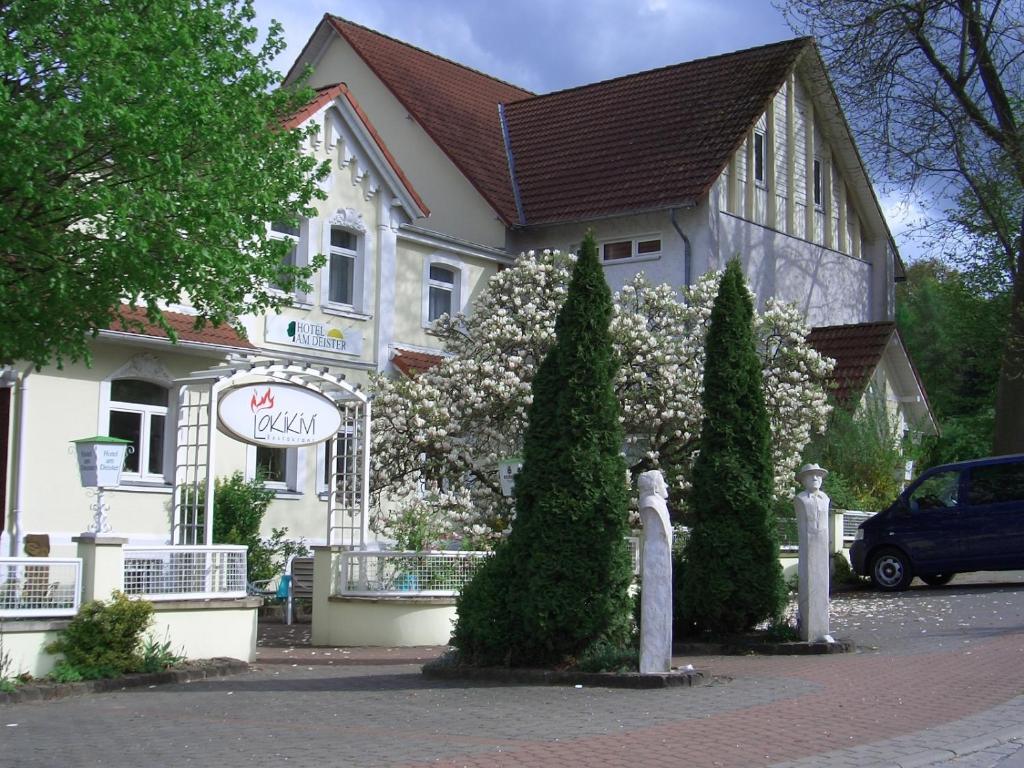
column 185, row 573
column 40, row 586
column 850, row 522
column 406, row 574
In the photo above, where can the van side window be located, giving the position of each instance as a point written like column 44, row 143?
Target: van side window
column 997, row 483
column 937, row 492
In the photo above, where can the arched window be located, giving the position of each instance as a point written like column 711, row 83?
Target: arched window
column 138, row 412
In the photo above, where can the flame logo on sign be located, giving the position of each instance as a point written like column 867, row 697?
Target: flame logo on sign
column 267, row 401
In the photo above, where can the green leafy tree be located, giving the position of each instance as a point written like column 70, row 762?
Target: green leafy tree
column 143, row 158
column 558, row 585
column 935, row 91
column 954, row 323
column 732, row 578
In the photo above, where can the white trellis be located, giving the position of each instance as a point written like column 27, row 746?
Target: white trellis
column 348, row 455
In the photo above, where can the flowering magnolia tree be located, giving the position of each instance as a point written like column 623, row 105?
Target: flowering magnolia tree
column 445, row 430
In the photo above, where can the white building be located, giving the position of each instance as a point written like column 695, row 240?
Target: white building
column 439, row 176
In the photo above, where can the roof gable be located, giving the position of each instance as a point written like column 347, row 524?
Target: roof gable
column 323, row 97
column 456, row 106
column 641, row 142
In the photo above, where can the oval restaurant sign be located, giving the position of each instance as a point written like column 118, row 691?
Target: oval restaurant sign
column 278, row 415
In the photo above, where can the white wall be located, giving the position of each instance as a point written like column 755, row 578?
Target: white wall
column 830, row 288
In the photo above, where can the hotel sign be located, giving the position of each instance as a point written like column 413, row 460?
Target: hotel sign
column 278, row 415
column 310, row 335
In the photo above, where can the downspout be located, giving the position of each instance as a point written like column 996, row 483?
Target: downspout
column 687, row 249
column 17, row 462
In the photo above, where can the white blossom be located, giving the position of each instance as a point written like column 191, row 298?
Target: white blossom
column 449, row 426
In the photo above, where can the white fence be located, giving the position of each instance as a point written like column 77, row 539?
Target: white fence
column 406, row 574
column 185, row 573
column 850, row 522
column 39, row 587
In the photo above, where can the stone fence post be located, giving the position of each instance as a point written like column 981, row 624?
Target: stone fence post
column 102, row 565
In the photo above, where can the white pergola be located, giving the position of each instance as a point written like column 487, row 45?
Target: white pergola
column 195, row 454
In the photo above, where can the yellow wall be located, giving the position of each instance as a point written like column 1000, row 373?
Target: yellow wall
column 455, row 205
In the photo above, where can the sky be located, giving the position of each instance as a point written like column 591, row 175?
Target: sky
column 547, row 45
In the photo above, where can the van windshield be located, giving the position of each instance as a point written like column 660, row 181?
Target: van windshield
column 939, row 491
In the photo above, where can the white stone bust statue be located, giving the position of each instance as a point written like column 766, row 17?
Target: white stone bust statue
column 656, row 592
column 812, row 506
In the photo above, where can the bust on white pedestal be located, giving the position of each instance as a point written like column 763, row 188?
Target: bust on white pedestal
column 656, row 589
column 811, row 506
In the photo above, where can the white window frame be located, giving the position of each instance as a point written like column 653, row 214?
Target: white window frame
column 351, row 221
column 340, row 252
column 817, row 183
column 459, row 286
column 634, row 240
column 292, row 471
column 761, row 157
column 145, row 412
column 297, row 243
column 322, row 487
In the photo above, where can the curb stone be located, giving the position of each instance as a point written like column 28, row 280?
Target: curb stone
column 517, row 676
column 190, row 672
column 742, row 647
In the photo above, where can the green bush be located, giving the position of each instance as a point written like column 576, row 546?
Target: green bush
column 559, row 584
column 238, row 509
column 732, row 580
column 157, row 655
column 864, row 455
column 103, row 640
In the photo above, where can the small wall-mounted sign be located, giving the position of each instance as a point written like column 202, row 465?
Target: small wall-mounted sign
column 277, row 415
column 507, row 471
column 310, row 335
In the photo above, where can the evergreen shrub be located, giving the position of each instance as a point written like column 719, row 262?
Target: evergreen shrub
column 239, row 507
column 558, row 586
column 732, row 579
column 105, row 639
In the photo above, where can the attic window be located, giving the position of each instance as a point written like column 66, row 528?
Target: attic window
column 817, row 182
column 759, row 157
column 637, row 247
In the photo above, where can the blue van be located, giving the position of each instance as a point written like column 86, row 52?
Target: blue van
column 954, row 518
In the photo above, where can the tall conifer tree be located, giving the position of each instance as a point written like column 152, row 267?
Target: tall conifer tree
column 733, row 579
column 560, row 581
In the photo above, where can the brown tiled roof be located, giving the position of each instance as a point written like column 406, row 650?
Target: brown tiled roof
column 456, row 106
column 413, row 363
column 857, row 350
column 184, row 327
column 644, row 141
column 325, row 96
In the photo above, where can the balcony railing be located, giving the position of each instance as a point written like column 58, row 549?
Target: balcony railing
column 185, row 573
column 39, row 586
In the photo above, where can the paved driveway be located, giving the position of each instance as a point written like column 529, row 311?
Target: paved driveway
column 937, row 668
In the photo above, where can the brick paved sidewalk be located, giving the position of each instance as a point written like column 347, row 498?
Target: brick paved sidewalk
column 945, row 676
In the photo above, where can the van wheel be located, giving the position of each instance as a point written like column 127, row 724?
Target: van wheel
column 937, row 579
column 891, row 571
